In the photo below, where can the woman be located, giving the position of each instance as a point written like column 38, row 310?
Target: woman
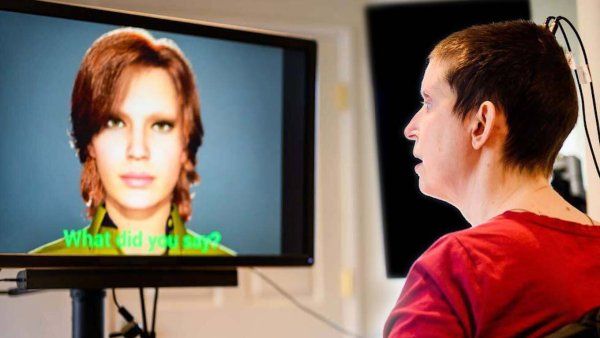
column 136, row 127
column 498, row 102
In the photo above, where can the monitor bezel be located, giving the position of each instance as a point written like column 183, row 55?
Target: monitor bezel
column 210, row 30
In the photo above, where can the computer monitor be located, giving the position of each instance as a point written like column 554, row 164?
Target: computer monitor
column 136, row 140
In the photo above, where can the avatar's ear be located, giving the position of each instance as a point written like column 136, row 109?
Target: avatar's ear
column 482, row 124
column 183, row 157
column 91, row 150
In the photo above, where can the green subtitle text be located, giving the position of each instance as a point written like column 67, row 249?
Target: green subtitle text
column 82, row 239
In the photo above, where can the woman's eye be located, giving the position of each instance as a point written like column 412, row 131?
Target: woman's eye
column 426, row 105
column 162, row 126
column 115, row 123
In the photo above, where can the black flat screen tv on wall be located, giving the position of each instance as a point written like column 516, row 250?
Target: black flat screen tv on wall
column 140, row 141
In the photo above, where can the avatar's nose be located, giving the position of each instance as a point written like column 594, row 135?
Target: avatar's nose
column 137, row 148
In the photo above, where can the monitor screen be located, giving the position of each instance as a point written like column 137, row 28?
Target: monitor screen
column 137, row 139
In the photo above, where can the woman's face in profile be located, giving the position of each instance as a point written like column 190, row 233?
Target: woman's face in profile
column 140, row 151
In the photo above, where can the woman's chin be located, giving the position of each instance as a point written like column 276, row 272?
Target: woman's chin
column 433, row 192
column 425, row 188
column 422, row 186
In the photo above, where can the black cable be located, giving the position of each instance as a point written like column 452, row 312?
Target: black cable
column 19, row 292
column 547, row 24
column 304, row 308
column 115, row 298
column 131, row 329
column 585, row 126
column 143, row 304
column 587, row 64
column 152, row 333
column 16, row 291
column 564, row 35
column 557, row 23
column 129, row 318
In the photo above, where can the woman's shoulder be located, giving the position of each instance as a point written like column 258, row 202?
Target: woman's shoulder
column 483, row 245
column 497, row 232
column 509, row 239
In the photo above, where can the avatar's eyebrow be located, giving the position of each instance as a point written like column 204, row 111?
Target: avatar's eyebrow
column 158, row 115
column 164, row 117
column 116, row 115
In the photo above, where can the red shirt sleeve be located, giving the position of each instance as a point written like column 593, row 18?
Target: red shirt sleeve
column 439, row 294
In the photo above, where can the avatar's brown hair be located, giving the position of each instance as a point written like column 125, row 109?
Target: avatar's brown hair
column 96, row 95
column 521, row 68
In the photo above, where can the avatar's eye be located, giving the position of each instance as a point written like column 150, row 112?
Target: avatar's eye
column 115, row 123
column 162, row 126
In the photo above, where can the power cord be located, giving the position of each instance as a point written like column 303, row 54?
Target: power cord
column 132, row 329
column 143, row 305
column 152, row 332
column 16, row 291
column 19, row 292
column 304, row 308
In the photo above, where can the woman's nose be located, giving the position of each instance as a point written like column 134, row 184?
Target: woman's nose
column 410, row 131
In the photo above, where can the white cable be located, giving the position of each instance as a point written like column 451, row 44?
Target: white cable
column 304, row 308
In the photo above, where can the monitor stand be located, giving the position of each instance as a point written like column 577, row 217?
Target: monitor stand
column 87, row 313
column 87, row 287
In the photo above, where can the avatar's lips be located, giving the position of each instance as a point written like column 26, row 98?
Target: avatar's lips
column 137, row 180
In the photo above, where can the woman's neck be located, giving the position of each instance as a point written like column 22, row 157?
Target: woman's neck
column 497, row 191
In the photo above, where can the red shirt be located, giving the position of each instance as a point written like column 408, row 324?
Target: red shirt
column 518, row 274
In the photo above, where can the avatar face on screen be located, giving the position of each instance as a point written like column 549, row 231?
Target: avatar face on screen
column 108, row 129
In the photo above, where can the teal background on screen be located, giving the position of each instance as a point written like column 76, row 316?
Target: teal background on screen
column 240, row 161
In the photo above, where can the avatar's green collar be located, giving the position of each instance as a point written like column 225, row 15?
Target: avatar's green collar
column 174, row 221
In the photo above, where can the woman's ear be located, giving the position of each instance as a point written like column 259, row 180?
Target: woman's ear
column 482, row 124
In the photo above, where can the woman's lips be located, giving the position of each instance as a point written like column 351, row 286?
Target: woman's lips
column 419, row 163
column 137, row 180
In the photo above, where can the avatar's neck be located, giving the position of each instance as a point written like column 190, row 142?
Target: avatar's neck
column 150, row 220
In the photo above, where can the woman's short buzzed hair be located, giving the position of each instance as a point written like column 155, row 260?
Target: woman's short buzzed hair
column 95, row 97
column 520, row 67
